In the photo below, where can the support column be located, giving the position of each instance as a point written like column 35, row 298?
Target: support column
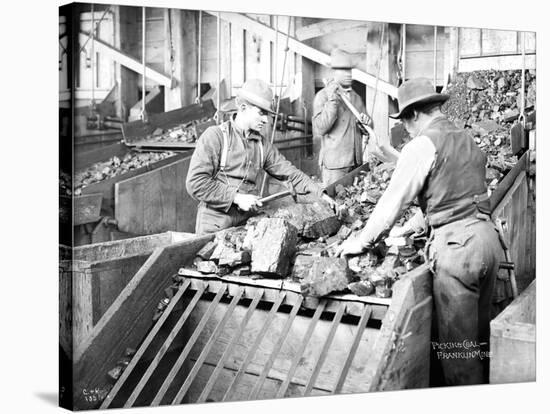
column 182, row 26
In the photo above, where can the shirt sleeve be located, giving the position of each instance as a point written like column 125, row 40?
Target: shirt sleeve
column 277, row 166
column 325, row 112
column 201, row 181
column 413, row 166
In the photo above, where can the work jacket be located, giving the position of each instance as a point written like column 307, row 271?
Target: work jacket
column 216, row 187
column 341, row 139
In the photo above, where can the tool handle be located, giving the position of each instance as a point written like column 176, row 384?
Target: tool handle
column 274, row 196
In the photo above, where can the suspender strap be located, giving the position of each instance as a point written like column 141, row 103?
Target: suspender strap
column 225, row 146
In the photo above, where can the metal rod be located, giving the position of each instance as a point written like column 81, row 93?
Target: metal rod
column 143, row 347
column 522, row 111
column 206, row 350
column 93, row 58
column 143, row 30
column 199, row 58
column 198, row 330
column 282, row 336
column 255, row 345
column 214, row 376
column 367, row 311
column 218, row 94
column 435, row 57
column 299, row 353
column 324, row 351
column 156, row 360
column 404, row 52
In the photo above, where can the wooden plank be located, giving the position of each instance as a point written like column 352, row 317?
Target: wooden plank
column 127, row 247
column 324, row 351
column 215, row 374
column 347, row 180
column 86, row 208
column 145, row 145
column 252, row 351
column 165, row 347
column 119, row 328
column 188, row 346
column 282, row 336
column 143, row 346
column 206, row 349
column 326, row 27
column 126, row 60
column 137, row 130
column 303, row 49
column 510, row 62
column 299, row 353
column 110, row 277
column 107, row 187
column 508, row 181
column 513, row 341
column 150, row 203
column 356, row 340
column 410, row 290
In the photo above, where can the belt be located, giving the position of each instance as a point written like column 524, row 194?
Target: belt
column 458, row 211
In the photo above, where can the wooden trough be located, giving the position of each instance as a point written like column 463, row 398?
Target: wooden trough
column 239, row 339
column 226, row 339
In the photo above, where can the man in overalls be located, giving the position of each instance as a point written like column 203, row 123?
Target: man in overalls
column 445, row 169
column 341, row 139
column 225, row 166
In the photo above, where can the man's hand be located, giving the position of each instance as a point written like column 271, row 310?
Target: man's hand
column 247, row 202
column 349, row 247
column 330, row 201
column 332, row 90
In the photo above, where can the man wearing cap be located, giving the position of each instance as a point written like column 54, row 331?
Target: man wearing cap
column 341, row 139
column 445, row 169
column 228, row 158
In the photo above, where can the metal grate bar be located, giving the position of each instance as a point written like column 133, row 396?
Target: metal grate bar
column 156, row 360
column 367, row 311
column 206, row 350
column 212, row 380
column 300, row 352
column 177, row 366
column 256, row 344
column 143, row 347
column 258, row 386
column 324, row 351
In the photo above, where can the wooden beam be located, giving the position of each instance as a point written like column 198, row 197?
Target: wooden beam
column 326, row 27
column 127, row 61
column 119, row 327
column 304, row 50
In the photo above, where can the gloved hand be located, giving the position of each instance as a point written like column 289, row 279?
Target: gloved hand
column 247, row 202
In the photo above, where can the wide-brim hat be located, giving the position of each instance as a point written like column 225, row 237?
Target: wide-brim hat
column 340, row 59
column 258, row 93
column 414, row 92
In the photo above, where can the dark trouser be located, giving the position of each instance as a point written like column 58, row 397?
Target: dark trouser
column 465, row 256
column 331, row 175
column 210, row 220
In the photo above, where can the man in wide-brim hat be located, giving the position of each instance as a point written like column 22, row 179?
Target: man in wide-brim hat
column 225, row 166
column 445, row 169
column 341, row 139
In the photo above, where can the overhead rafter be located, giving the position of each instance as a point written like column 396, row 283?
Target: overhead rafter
column 126, row 60
column 326, row 27
column 304, row 50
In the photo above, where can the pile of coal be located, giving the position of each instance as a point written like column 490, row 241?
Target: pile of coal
column 186, row 133
column 487, row 103
column 116, row 166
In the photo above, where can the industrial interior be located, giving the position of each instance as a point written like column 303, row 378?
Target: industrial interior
column 154, row 312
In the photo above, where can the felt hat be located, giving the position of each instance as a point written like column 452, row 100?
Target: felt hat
column 340, row 59
column 416, row 91
column 258, row 93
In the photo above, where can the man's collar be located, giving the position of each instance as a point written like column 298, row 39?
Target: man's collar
column 254, row 135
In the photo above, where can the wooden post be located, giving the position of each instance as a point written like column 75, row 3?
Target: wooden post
column 386, row 52
column 181, row 24
column 127, row 32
